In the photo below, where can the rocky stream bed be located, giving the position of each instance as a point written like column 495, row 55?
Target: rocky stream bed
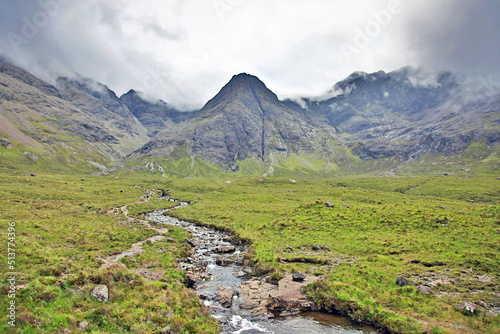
column 242, row 304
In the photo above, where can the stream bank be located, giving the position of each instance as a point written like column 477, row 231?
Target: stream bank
column 241, row 304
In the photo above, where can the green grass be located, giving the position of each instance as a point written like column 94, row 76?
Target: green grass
column 392, row 227
column 425, row 228
column 62, row 229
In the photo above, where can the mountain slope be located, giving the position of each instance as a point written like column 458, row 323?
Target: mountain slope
column 406, row 114
column 155, row 116
column 81, row 125
column 245, row 121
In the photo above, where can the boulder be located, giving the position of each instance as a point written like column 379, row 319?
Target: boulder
column 190, row 281
column 6, row 143
column 467, row 307
column 401, row 281
column 225, row 297
column 345, row 205
column 299, row 276
column 224, row 261
column 100, row 293
column 316, row 247
column 329, row 205
column 83, row 326
column 224, row 249
column 425, row 290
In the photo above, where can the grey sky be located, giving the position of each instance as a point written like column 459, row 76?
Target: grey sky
column 184, row 51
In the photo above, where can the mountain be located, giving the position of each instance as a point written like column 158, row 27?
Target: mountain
column 406, row 114
column 76, row 124
column 246, row 128
column 405, row 121
column 155, row 116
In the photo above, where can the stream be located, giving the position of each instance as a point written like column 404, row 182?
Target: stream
column 217, row 262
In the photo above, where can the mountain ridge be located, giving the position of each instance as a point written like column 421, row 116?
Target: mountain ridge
column 371, row 123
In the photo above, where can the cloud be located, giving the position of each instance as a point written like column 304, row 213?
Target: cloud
column 183, row 51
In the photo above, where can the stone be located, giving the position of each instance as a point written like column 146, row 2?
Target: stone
column 401, row 281
column 190, row 281
column 329, row 205
column 166, row 330
column 345, row 205
column 100, row 293
column 224, row 249
column 224, row 261
column 6, row 143
column 326, row 247
column 83, row 326
column 425, row 290
column 315, row 247
column 299, row 276
column 225, row 297
column 291, row 180
column 467, row 307
column 190, row 242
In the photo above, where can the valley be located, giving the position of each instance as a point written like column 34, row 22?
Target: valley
column 439, row 231
column 384, row 195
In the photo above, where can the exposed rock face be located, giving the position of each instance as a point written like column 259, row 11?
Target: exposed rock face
column 155, row 116
column 100, row 293
column 262, row 298
column 404, row 114
column 244, row 120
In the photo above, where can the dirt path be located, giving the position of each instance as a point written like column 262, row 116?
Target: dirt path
column 137, row 247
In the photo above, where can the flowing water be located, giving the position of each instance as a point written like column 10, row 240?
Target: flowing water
column 211, row 276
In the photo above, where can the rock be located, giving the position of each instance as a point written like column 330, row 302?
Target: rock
column 227, row 182
column 224, row 261
column 467, row 307
column 170, row 240
column 326, row 247
column 299, row 276
column 190, row 242
column 166, row 330
column 190, row 281
column 100, row 293
column 425, row 290
column 293, row 181
column 329, row 205
column 290, row 248
column 224, row 249
column 6, row 143
column 225, row 297
column 83, row 326
column 401, row 281
column 315, row 247
column 32, row 174
column 345, row 205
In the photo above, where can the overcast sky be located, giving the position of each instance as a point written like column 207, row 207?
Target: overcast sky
column 184, row 51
